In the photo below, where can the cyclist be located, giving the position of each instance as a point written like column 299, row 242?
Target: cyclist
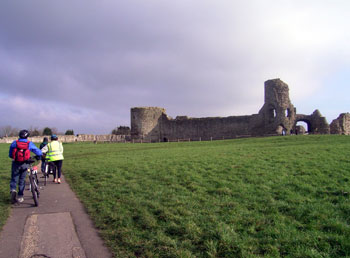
column 20, row 153
column 42, row 145
column 54, row 154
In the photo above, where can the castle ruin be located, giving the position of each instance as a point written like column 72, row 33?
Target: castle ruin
column 341, row 125
column 277, row 116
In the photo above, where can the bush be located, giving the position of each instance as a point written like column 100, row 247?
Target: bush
column 121, row 130
column 69, row 132
column 47, row 131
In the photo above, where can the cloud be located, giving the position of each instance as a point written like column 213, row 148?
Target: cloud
column 29, row 113
column 198, row 58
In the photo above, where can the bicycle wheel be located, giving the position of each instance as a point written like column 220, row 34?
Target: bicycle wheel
column 46, row 173
column 36, row 183
column 36, row 179
column 46, row 176
column 34, row 190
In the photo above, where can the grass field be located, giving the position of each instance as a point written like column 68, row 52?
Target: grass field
column 5, row 175
column 278, row 196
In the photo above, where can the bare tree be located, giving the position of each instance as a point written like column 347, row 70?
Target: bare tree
column 8, row 131
column 34, row 131
column 54, row 130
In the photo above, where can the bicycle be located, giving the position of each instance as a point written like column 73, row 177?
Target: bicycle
column 49, row 169
column 32, row 172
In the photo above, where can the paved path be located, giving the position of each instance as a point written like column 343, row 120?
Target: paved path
column 58, row 228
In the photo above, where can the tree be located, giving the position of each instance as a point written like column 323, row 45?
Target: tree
column 8, row 131
column 54, row 130
column 69, row 132
column 121, row 130
column 34, row 131
column 47, row 131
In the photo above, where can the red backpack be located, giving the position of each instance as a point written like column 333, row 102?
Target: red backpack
column 21, row 153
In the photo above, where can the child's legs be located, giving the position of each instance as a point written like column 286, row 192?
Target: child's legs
column 58, row 164
column 43, row 166
column 53, row 168
column 18, row 174
column 14, row 176
column 21, row 185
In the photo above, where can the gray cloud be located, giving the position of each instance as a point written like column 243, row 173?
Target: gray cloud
column 93, row 61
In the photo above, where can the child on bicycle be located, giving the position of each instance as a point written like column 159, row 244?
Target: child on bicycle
column 42, row 145
column 20, row 153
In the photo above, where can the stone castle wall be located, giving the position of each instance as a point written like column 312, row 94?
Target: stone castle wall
column 204, row 128
column 277, row 116
column 341, row 125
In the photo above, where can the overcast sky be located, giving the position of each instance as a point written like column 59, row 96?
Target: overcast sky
column 82, row 64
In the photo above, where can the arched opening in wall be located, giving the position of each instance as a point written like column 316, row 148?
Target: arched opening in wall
column 287, row 113
column 281, row 130
column 272, row 113
column 165, row 139
column 302, row 127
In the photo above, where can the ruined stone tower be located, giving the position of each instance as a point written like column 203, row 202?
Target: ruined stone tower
column 341, row 125
column 145, row 121
column 278, row 113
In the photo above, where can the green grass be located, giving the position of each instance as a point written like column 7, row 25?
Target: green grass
column 278, row 196
column 5, row 175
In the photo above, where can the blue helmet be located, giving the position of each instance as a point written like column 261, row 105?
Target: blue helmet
column 54, row 137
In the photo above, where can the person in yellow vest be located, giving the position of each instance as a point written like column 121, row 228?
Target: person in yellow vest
column 54, row 154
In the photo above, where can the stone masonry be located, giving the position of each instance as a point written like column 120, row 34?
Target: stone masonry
column 277, row 116
column 341, row 125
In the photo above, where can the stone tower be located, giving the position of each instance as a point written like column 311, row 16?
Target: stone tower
column 145, row 122
column 278, row 113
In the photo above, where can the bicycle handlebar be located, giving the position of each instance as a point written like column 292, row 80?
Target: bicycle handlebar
column 33, row 159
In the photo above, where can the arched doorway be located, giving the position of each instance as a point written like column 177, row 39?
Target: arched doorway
column 281, row 130
column 302, row 126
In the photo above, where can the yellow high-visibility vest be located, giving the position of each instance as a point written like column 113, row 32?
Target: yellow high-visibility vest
column 55, row 151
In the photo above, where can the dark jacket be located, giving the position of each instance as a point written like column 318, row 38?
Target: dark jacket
column 42, row 145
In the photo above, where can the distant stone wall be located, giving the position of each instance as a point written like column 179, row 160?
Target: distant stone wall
column 73, row 138
column 341, row 125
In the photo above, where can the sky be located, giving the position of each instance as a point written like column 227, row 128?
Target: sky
column 82, row 64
